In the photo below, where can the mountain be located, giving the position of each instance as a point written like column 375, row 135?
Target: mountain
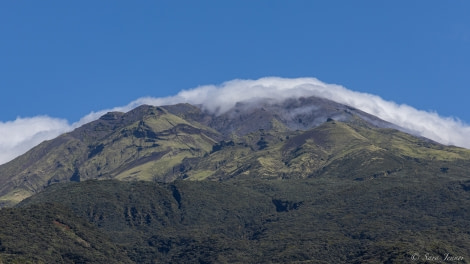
column 314, row 220
column 51, row 233
column 299, row 181
column 296, row 138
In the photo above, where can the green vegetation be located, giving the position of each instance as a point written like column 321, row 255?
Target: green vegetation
column 251, row 221
column 176, row 184
column 51, row 233
column 164, row 144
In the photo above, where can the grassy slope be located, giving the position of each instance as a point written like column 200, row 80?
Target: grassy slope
column 166, row 147
column 340, row 192
column 145, row 149
column 151, row 144
column 332, row 149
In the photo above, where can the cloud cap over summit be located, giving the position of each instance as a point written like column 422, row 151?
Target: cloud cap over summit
column 221, row 98
column 22, row 134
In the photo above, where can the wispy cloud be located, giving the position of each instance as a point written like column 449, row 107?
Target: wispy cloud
column 16, row 137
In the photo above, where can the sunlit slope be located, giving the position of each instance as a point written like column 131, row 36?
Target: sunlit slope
column 346, row 150
column 142, row 144
column 293, row 140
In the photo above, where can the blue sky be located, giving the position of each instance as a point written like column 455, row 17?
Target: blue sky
column 65, row 59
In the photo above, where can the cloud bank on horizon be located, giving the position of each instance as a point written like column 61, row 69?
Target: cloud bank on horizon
column 17, row 137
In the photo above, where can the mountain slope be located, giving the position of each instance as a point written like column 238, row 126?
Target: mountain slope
column 308, row 137
column 305, row 180
column 51, row 233
column 319, row 220
column 105, row 149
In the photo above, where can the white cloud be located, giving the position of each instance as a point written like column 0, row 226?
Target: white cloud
column 18, row 136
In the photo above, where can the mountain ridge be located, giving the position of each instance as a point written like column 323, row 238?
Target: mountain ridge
column 305, row 180
column 295, row 138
